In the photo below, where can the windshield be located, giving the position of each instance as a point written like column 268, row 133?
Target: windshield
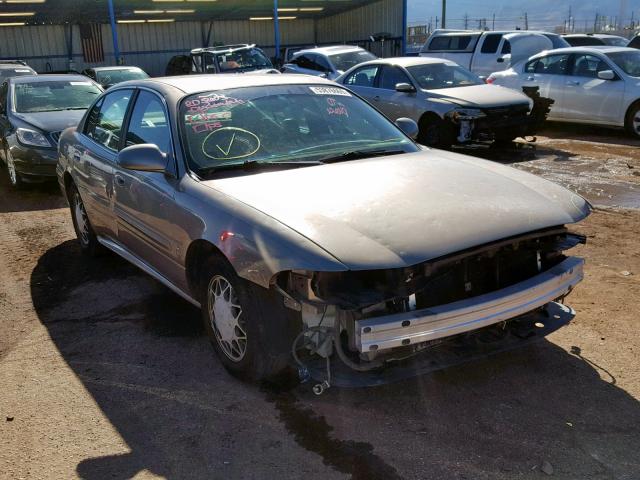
column 14, row 72
column 284, row 123
column 248, row 59
column 433, row 76
column 344, row 61
column 615, row 41
column 629, row 62
column 50, row 96
column 111, row 77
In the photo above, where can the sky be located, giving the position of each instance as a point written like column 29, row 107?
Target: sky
column 542, row 14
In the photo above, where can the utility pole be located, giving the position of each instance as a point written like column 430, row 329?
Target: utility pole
column 493, row 23
column 595, row 24
column 436, row 22
column 444, row 13
column 466, row 21
column 526, row 21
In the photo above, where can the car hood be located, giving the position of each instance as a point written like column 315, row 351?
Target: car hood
column 405, row 209
column 480, row 96
column 52, row 121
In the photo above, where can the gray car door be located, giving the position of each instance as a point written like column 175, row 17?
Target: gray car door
column 549, row 74
column 95, row 158
column 362, row 81
column 144, row 201
column 392, row 103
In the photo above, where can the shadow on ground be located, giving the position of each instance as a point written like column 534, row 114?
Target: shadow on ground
column 139, row 352
column 30, row 197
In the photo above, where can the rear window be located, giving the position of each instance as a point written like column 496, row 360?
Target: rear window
column 450, row 43
column 14, row 72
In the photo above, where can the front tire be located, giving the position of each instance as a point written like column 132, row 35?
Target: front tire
column 14, row 177
column 84, row 231
column 435, row 132
column 632, row 122
column 248, row 326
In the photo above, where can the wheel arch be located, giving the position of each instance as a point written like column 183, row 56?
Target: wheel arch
column 627, row 114
column 197, row 252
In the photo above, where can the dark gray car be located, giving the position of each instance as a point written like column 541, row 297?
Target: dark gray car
column 310, row 229
column 33, row 112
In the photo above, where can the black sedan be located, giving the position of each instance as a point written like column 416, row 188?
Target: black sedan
column 109, row 76
column 34, row 110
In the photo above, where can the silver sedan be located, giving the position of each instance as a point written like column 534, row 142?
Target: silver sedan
column 449, row 103
column 312, row 230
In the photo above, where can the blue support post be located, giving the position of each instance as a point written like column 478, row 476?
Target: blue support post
column 276, row 27
column 404, row 27
column 114, row 32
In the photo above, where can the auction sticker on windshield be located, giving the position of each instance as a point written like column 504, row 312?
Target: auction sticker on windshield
column 330, row 91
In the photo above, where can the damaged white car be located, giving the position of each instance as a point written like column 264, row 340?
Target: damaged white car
column 314, row 232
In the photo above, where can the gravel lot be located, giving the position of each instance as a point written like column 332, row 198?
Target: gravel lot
column 104, row 373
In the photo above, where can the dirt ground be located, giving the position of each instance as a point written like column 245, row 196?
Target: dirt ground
column 104, row 373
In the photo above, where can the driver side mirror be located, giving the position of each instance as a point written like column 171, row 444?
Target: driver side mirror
column 405, row 88
column 145, row 157
column 606, row 75
column 408, row 126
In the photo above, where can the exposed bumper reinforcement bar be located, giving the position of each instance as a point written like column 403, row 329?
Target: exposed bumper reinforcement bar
column 409, row 328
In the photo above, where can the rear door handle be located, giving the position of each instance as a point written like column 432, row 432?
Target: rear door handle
column 531, row 78
column 573, row 82
column 377, row 98
column 120, row 181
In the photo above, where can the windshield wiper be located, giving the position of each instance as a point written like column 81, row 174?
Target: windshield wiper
column 250, row 165
column 359, row 154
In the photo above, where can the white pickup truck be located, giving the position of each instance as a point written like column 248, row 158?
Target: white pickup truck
column 486, row 52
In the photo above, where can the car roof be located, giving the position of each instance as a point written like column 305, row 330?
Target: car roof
column 588, row 49
column 119, row 67
column 331, row 49
column 441, row 31
column 7, row 66
column 49, row 77
column 406, row 61
column 189, row 84
column 224, row 48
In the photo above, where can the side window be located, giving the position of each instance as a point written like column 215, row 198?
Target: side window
column 363, row 77
column 4, row 89
column 149, row 123
column 305, row 61
column 491, row 42
column 550, row 65
column 506, row 47
column 588, row 66
column 104, row 123
column 323, row 64
column 391, row 76
column 450, row 42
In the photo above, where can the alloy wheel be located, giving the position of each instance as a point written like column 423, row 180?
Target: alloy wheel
column 82, row 221
column 225, row 318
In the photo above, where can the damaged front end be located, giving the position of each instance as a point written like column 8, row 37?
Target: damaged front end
column 503, row 123
column 368, row 320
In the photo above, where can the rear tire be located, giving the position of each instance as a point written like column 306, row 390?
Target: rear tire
column 84, row 231
column 632, row 121
column 248, row 326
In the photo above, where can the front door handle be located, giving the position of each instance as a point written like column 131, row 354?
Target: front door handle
column 573, row 82
column 377, row 98
column 531, row 78
column 120, row 181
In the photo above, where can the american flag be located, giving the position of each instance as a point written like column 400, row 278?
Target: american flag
column 91, row 39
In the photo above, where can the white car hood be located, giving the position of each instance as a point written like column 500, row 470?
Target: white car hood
column 480, row 96
column 401, row 210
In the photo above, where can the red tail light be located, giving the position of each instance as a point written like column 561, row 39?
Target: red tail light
column 489, row 80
